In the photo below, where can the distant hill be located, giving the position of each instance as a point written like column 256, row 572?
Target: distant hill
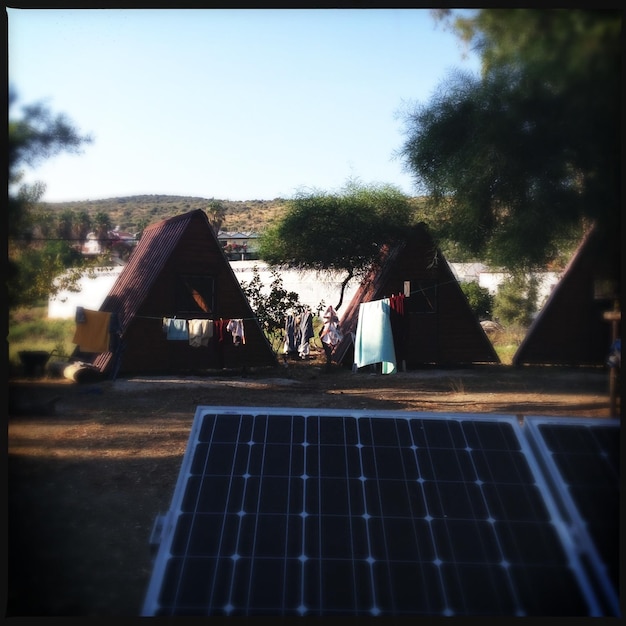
column 133, row 213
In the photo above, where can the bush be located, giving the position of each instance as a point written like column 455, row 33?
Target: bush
column 479, row 298
column 270, row 307
column 515, row 302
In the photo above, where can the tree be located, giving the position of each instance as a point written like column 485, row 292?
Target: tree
column 216, row 212
column 341, row 231
column 515, row 302
column 529, row 151
column 102, row 225
column 46, row 269
column 66, row 225
column 34, row 136
column 82, row 226
column 269, row 306
column 479, row 299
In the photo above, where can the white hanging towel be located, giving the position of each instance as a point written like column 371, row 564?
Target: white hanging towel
column 373, row 342
column 200, row 332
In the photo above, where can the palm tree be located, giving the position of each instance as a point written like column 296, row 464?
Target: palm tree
column 216, row 212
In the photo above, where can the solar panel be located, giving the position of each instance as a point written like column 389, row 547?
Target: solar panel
column 320, row 512
column 582, row 463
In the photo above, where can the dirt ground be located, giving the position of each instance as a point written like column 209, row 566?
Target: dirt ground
column 91, row 466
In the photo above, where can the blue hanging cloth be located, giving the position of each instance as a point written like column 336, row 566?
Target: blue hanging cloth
column 373, row 342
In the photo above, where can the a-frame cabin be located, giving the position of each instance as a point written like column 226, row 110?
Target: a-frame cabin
column 178, row 271
column 570, row 329
column 440, row 327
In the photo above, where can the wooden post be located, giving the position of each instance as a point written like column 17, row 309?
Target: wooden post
column 614, row 317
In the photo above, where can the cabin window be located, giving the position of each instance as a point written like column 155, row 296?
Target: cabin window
column 423, row 298
column 195, row 295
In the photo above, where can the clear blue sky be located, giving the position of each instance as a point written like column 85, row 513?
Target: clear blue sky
column 234, row 104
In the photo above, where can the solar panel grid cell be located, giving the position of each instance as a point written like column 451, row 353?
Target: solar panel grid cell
column 311, row 514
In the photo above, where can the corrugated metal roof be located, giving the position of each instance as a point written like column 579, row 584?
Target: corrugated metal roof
column 143, row 267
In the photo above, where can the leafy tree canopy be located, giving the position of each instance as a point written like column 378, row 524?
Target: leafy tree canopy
column 340, row 231
column 33, row 136
column 528, row 152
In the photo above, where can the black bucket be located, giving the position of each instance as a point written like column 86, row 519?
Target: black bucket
column 34, row 362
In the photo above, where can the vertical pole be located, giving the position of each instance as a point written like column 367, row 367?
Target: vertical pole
column 614, row 317
column 613, row 375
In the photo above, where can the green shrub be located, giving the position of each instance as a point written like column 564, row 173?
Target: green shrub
column 270, row 307
column 515, row 302
column 479, row 298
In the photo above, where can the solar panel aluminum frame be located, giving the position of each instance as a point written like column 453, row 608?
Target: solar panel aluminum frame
column 582, row 542
column 168, row 521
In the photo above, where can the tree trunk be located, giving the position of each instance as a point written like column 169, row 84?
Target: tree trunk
column 344, row 284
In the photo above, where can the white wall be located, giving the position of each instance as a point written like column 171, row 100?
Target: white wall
column 311, row 287
column 91, row 294
column 547, row 282
column 477, row 272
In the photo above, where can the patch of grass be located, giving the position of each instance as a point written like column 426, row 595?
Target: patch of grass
column 456, row 385
column 31, row 329
column 506, row 353
column 507, row 341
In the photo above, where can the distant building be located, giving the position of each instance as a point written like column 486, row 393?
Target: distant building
column 118, row 242
column 468, row 272
column 239, row 246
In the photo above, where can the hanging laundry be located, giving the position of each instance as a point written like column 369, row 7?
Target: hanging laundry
column 219, row 336
column 200, row 332
column 219, row 330
column 92, row 334
column 330, row 333
column 399, row 326
column 235, row 328
column 305, row 333
column 176, row 329
column 373, row 342
column 396, row 302
column 290, row 345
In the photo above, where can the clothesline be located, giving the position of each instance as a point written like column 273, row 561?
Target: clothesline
column 438, row 284
column 413, row 291
column 199, row 331
column 213, row 319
